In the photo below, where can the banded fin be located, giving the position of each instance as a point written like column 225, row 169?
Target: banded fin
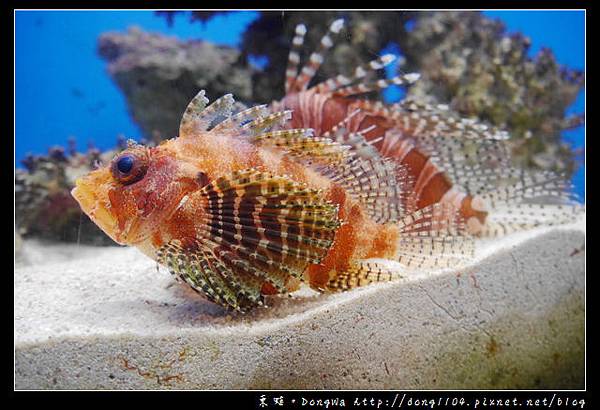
column 198, row 117
column 256, row 228
column 475, row 157
column 471, row 154
column 360, row 72
column 217, row 117
column 361, row 273
column 434, row 237
column 418, row 118
column 385, row 172
column 316, row 58
column 340, row 85
column 302, row 144
column 236, row 121
column 474, row 165
column 510, row 218
column 191, row 264
column 519, row 185
column 380, row 185
column 527, row 200
column 338, row 130
column 264, row 124
column 192, row 111
column 291, row 73
column 362, row 88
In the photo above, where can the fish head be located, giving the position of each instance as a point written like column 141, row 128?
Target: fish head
column 133, row 195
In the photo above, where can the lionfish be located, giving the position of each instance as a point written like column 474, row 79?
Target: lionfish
column 321, row 187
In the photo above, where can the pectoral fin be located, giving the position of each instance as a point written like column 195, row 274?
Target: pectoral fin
column 257, row 228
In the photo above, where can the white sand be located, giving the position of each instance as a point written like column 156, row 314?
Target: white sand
column 90, row 318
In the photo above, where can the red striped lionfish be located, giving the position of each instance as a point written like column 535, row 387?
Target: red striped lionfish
column 321, row 187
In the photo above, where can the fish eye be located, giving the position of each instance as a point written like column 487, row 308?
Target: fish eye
column 129, row 167
column 124, row 164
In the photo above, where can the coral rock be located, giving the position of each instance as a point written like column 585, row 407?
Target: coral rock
column 159, row 75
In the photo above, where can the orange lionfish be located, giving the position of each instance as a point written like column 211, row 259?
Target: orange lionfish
column 319, row 188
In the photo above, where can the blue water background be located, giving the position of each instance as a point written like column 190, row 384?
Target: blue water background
column 62, row 88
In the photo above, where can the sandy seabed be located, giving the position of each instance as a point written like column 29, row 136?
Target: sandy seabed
column 105, row 318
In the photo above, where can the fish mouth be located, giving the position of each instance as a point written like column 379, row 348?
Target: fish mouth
column 96, row 206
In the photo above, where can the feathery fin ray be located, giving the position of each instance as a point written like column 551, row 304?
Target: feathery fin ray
column 316, row 58
column 257, row 228
column 199, row 117
column 360, row 274
column 434, row 237
column 377, row 183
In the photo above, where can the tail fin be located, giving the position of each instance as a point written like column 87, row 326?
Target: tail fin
column 434, row 237
column 533, row 200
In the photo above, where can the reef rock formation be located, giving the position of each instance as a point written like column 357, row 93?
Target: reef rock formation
column 159, row 75
column 364, row 35
column 44, row 207
column 466, row 60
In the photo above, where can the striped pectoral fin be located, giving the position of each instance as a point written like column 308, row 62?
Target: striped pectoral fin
column 256, row 229
column 379, row 184
column 434, row 237
column 197, row 266
column 361, row 273
column 474, row 165
column 516, row 185
column 471, row 153
column 382, row 184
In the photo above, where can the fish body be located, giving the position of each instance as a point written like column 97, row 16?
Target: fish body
column 319, row 187
column 450, row 160
column 393, row 140
column 165, row 202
